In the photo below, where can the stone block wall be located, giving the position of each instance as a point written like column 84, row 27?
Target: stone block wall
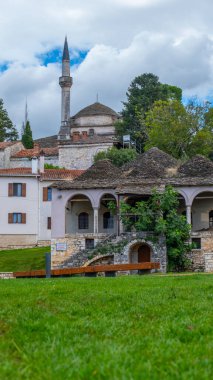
column 75, row 254
column 197, row 256
column 209, row 262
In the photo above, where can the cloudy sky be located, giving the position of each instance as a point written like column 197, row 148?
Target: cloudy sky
column 110, row 42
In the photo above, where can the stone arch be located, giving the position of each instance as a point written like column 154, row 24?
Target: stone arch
column 132, row 249
column 79, row 193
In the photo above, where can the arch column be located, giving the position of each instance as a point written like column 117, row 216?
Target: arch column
column 188, row 214
column 95, row 211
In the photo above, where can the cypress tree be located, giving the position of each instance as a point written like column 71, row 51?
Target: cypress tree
column 27, row 138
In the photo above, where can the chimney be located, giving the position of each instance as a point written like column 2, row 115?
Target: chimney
column 76, row 136
column 41, row 162
column 34, row 165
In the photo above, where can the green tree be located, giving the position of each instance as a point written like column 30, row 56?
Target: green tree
column 178, row 130
column 27, row 138
column 8, row 131
column 117, row 156
column 142, row 93
column 159, row 214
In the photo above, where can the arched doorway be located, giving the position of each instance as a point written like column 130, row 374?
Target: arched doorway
column 144, row 253
column 140, row 253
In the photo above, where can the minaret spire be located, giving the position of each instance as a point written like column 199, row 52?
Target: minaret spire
column 26, row 114
column 65, row 81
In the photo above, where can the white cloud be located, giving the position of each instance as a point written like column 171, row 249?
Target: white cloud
column 173, row 39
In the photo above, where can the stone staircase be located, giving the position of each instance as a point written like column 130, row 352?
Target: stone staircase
column 81, row 257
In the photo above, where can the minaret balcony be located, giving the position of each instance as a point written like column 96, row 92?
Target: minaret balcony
column 65, row 81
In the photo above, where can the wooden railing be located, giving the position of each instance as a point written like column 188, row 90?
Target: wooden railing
column 89, row 269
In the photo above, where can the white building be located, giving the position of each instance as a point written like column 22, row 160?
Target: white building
column 25, row 203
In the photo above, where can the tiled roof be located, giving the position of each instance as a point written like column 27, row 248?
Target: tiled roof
column 36, row 152
column 96, row 109
column 47, row 142
column 5, row 144
column 61, row 174
column 49, row 174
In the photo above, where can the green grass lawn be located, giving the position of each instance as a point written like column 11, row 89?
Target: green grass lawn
column 134, row 327
column 23, row 259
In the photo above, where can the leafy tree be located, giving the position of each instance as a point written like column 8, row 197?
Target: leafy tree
column 117, row 156
column 27, row 138
column 159, row 214
column 8, row 131
column 141, row 95
column 178, row 130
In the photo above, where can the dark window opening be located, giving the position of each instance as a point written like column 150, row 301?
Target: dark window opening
column 83, row 221
column 49, row 223
column 89, row 243
column 17, row 189
column 196, row 243
column 211, row 218
column 108, row 220
column 91, row 132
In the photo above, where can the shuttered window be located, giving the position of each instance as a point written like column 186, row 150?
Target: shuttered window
column 17, row 189
column 83, row 221
column 17, row 217
column 47, row 194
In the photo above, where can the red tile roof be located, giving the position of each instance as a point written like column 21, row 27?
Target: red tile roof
column 48, row 174
column 36, row 152
column 6, row 144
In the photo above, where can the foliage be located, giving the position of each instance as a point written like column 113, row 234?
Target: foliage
column 8, row 131
column 178, row 130
column 51, row 166
column 117, row 156
column 129, row 327
column 27, row 138
column 23, row 259
column 159, row 215
column 142, row 93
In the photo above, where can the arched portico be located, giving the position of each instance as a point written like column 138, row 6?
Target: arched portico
column 79, row 215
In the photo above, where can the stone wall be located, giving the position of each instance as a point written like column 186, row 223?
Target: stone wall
column 157, row 248
column 208, row 262
column 17, row 241
column 74, row 254
column 197, row 256
column 27, row 162
column 6, row 275
column 80, row 156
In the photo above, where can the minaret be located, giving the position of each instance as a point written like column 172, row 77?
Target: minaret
column 65, row 81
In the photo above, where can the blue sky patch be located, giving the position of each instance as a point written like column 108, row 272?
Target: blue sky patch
column 55, row 56
column 3, row 66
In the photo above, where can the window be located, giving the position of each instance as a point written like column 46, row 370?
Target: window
column 83, row 221
column 17, row 189
column 49, row 223
column 47, row 194
column 91, row 132
column 108, row 220
column 89, row 243
column 196, row 243
column 17, row 217
column 211, row 218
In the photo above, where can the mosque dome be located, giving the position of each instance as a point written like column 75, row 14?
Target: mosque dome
column 96, row 109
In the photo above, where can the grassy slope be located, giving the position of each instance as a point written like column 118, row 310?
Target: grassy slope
column 23, row 259
column 141, row 327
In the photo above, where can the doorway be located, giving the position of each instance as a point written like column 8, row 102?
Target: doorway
column 144, row 253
